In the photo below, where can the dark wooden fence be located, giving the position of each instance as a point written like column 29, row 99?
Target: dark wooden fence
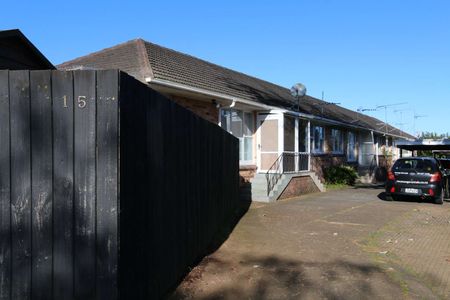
column 107, row 189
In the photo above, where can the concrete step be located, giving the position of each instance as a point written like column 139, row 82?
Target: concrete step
column 261, row 199
column 259, row 180
column 259, row 186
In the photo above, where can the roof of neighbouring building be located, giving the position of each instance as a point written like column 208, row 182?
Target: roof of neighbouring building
column 425, row 144
column 18, row 53
column 143, row 60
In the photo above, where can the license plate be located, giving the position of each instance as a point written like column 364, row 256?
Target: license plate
column 411, row 191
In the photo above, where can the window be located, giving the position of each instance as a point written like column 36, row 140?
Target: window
column 289, row 134
column 381, row 140
column 240, row 124
column 303, row 136
column 317, row 139
column 415, row 165
column 336, row 141
column 351, row 147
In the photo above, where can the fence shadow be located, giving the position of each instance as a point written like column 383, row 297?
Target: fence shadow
column 280, row 278
column 223, row 233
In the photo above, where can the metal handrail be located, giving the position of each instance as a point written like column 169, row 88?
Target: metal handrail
column 287, row 162
column 274, row 173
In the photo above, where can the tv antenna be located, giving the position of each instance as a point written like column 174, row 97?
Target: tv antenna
column 414, row 122
column 385, row 106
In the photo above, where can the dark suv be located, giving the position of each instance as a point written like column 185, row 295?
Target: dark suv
column 416, row 176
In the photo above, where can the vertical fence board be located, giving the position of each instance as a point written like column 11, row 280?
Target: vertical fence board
column 5, row 190
column 155, row 166
column 135, row 213
column 85, row 181
column 126, row 187
column 41, row 174
column 20, row 184
column 62, row 94
column 107, row 192
column 141, row 261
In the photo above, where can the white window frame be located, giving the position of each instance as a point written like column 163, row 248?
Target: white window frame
column 314, row 142
column 336, row 135
column 244, row 136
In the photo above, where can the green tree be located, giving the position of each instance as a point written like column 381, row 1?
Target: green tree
column 433, row 135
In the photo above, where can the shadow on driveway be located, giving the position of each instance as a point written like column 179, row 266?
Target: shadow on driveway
column 375, row 186
column 382, row 196
column 273, row 277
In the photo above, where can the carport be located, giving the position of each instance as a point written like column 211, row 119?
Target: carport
column 436, row 146
column 442, row 145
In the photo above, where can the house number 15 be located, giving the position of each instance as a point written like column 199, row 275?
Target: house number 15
column 81, row 101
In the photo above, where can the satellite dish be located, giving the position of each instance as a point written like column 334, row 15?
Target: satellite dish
column 298, row 90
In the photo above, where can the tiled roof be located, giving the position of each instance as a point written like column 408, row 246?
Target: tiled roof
column 129, row 57
column 143, row 60
column 177, row 67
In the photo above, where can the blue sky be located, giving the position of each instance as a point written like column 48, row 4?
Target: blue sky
column 359, row 53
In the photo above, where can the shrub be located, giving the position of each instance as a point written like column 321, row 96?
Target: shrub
column 340, row 175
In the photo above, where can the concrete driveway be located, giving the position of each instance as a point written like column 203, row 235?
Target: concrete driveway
column 342, row 244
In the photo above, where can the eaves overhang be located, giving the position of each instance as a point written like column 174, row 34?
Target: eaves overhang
column 261, row 106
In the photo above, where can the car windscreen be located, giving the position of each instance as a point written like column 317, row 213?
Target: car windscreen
column 417, row 165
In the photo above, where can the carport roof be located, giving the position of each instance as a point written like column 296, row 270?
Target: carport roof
column 443, row 144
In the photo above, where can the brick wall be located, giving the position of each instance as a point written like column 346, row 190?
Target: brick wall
column 299, row 186
column 246, row 173
column 205, row 109
column 321, row 162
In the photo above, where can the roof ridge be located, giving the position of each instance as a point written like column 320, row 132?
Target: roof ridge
column 97, row 52
column 145, row 59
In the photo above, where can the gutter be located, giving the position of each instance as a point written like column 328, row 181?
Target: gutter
column 233, row 100
column 207, row 93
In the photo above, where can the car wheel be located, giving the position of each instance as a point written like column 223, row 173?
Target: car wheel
column 440, row 199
